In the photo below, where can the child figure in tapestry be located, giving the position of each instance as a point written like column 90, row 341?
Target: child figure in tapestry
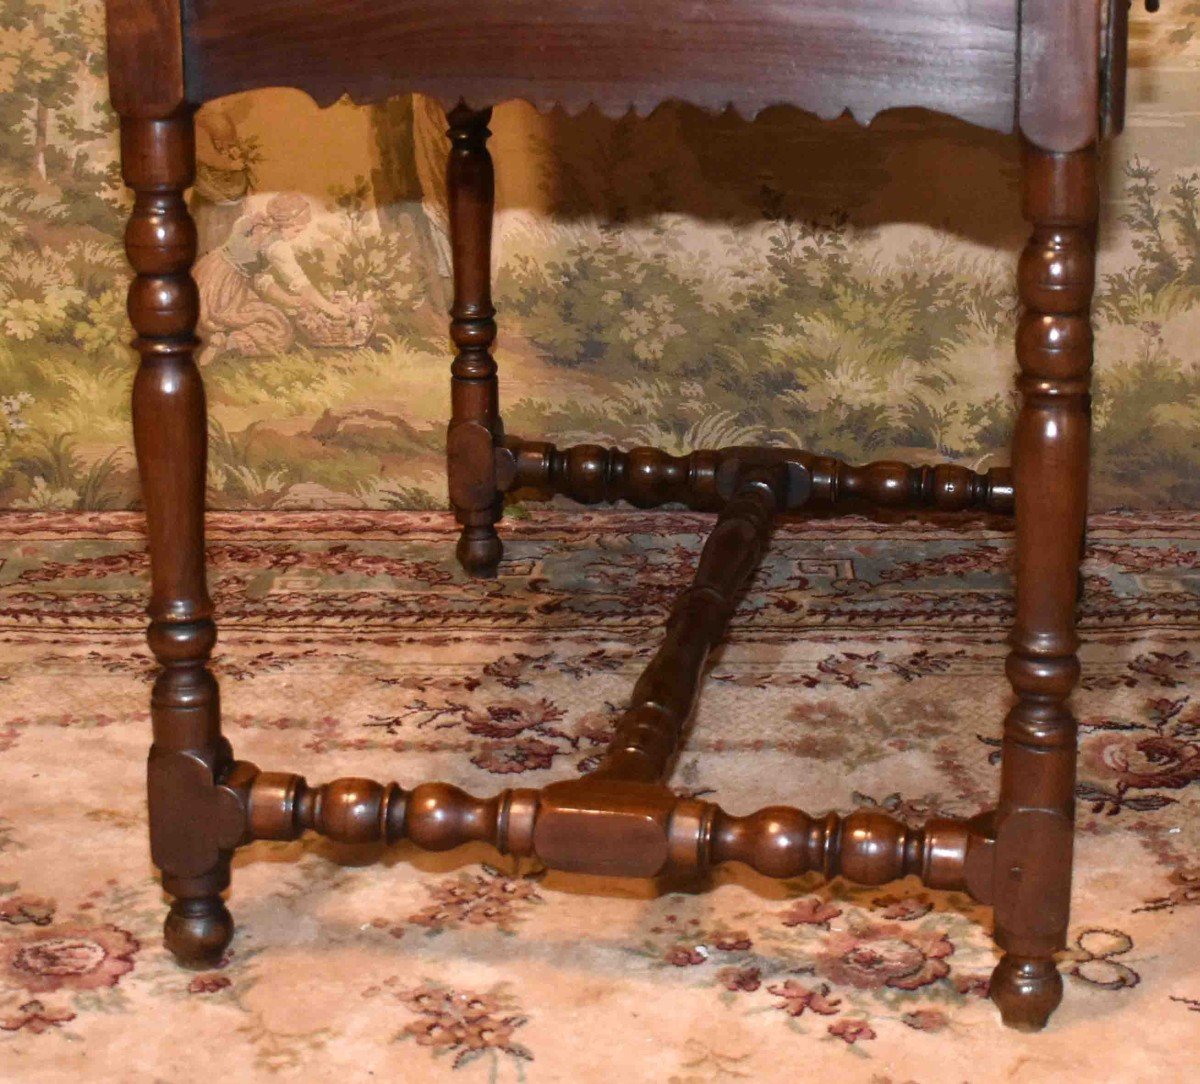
column 256, row 299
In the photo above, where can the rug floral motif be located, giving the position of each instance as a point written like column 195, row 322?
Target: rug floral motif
column 863, row 669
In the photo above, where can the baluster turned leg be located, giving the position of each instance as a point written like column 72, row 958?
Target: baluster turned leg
column 188, row 753
column 1035, row 817
column 474, row 392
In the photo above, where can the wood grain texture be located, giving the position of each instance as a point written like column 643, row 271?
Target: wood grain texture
column 650, row 477
column 964, row 57
column 621, row 828
column 1059, row 101
column 474, row 391
column 648, row 734
column 192, row 831
column 145, row 57
column 1114, row 68
column 1035, row 816
column 825, row 56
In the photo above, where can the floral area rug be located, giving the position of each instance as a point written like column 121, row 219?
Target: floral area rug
column 863, row 669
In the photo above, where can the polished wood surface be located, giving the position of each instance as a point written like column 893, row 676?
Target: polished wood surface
column 474, row 392
column 1058, row 106
column 1051, row 69
column 1035, row 817
column 170, row 431
column 826, row 56
column 145, row 57
column 616, row 827
column 650, row 477
column 647, row 735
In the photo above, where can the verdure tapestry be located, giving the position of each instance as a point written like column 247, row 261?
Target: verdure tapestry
column 682, row 280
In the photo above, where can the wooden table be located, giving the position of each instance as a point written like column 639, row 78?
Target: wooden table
column 1051, row 71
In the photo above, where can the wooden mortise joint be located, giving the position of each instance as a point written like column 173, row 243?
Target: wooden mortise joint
column 621, row 828
column 196, row 810
column 649, row 477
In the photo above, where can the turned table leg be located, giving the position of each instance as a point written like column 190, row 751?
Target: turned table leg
column 1035, row 816
column 188, row 753
column 475, row 405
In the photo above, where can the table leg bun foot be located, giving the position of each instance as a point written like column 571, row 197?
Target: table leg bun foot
column 479, row 551
column 198, row 931
column 1026, row 990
